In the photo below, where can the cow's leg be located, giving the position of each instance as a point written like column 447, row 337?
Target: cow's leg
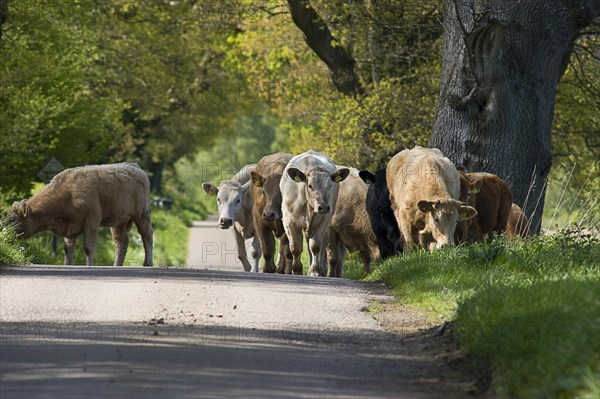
column 256, row 254
column 316, row 268
column 295, row 240
column 119, row 235
column 334, row 256
column 282, row 262
column 365, row 255
column 144, row 227
column 267, row 243
column 90, row 234
column 69, row 249
column 241, row 250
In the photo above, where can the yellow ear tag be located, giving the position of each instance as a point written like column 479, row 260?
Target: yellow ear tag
column 474, row 191
column 338, row 179
column 297, row 179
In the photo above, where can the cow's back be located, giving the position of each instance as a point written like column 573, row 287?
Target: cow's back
column 118, row 191
column 421, row 173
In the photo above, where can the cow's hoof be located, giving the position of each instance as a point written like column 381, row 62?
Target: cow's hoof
column 314, row 273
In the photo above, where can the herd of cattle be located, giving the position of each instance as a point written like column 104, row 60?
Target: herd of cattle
column 420, row 200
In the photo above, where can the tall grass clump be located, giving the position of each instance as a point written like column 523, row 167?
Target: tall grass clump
column 15, row 251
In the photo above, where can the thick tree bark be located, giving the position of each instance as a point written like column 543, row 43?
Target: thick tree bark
column 502, row 63
column 320, row 39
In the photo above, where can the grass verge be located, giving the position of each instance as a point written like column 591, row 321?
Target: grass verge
column 530, row 308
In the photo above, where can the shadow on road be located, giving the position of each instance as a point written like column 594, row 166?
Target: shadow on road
column 89, row 360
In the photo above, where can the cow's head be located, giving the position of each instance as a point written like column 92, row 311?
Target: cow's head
column 270, row 193
column 377, row 185
column 443, row 215
column 229, row 200
column 318, row 185
column 19, row 216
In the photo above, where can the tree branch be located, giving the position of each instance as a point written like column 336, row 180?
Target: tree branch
column 319, row 38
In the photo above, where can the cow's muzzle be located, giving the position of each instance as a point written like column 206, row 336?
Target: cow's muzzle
column 270, row 216
column 225, row 223
column 323, row 209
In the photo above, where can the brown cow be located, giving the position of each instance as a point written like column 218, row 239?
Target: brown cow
column 266, row 209
column 80, row 200
column 351, row 226
column 424, row 190
column 493, row 203
column 518, row 224
column 468, row 190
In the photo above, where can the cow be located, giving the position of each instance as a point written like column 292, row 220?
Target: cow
column 381, row 216
column 351, row 227
column 493, row 202
column 266, row 210
column 468, row 190
column 234, row 203
column 81, row 200
column 309, row 188
column 424, row 191
column 518, row 224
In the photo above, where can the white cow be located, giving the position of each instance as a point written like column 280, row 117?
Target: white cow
column 235, row 209
column 309, row 188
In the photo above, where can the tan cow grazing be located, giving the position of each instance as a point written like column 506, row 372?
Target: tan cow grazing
column 309, row 190
column 493, row 203
column 234, row 202
column 424, row 190
column 266, row 210
column 80, row 200
column 518, row 224
column 351, row 226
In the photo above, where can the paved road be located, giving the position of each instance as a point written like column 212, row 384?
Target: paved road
column 109, row 332
column 210, row 245
column 80, row 332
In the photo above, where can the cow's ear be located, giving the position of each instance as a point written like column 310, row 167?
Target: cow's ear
column 21, row 208
column 296, row 175
column 210, row 188
column 466, row 212
column 425, row 206
column 340, row 175
column 367, row 176
column 257, row 179
column 475, row 186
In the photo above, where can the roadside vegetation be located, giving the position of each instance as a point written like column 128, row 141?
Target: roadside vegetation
column 529, row 310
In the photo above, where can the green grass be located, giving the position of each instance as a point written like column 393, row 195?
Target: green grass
column 14, row 251
column 532, row 308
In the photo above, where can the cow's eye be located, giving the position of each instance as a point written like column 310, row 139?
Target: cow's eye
column 436, row 219
column 218, row 200
column 310, row 187
column 238, row 201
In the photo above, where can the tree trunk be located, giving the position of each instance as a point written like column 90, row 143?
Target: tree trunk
column 156, row 176
column 502, row 63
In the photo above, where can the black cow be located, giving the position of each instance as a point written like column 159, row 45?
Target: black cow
column 379, row 208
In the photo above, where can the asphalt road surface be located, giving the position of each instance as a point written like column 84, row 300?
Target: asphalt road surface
column 110, row 332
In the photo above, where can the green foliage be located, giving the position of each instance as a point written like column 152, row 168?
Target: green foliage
column 530, row 307
column 14, row 251
column 11, row 250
